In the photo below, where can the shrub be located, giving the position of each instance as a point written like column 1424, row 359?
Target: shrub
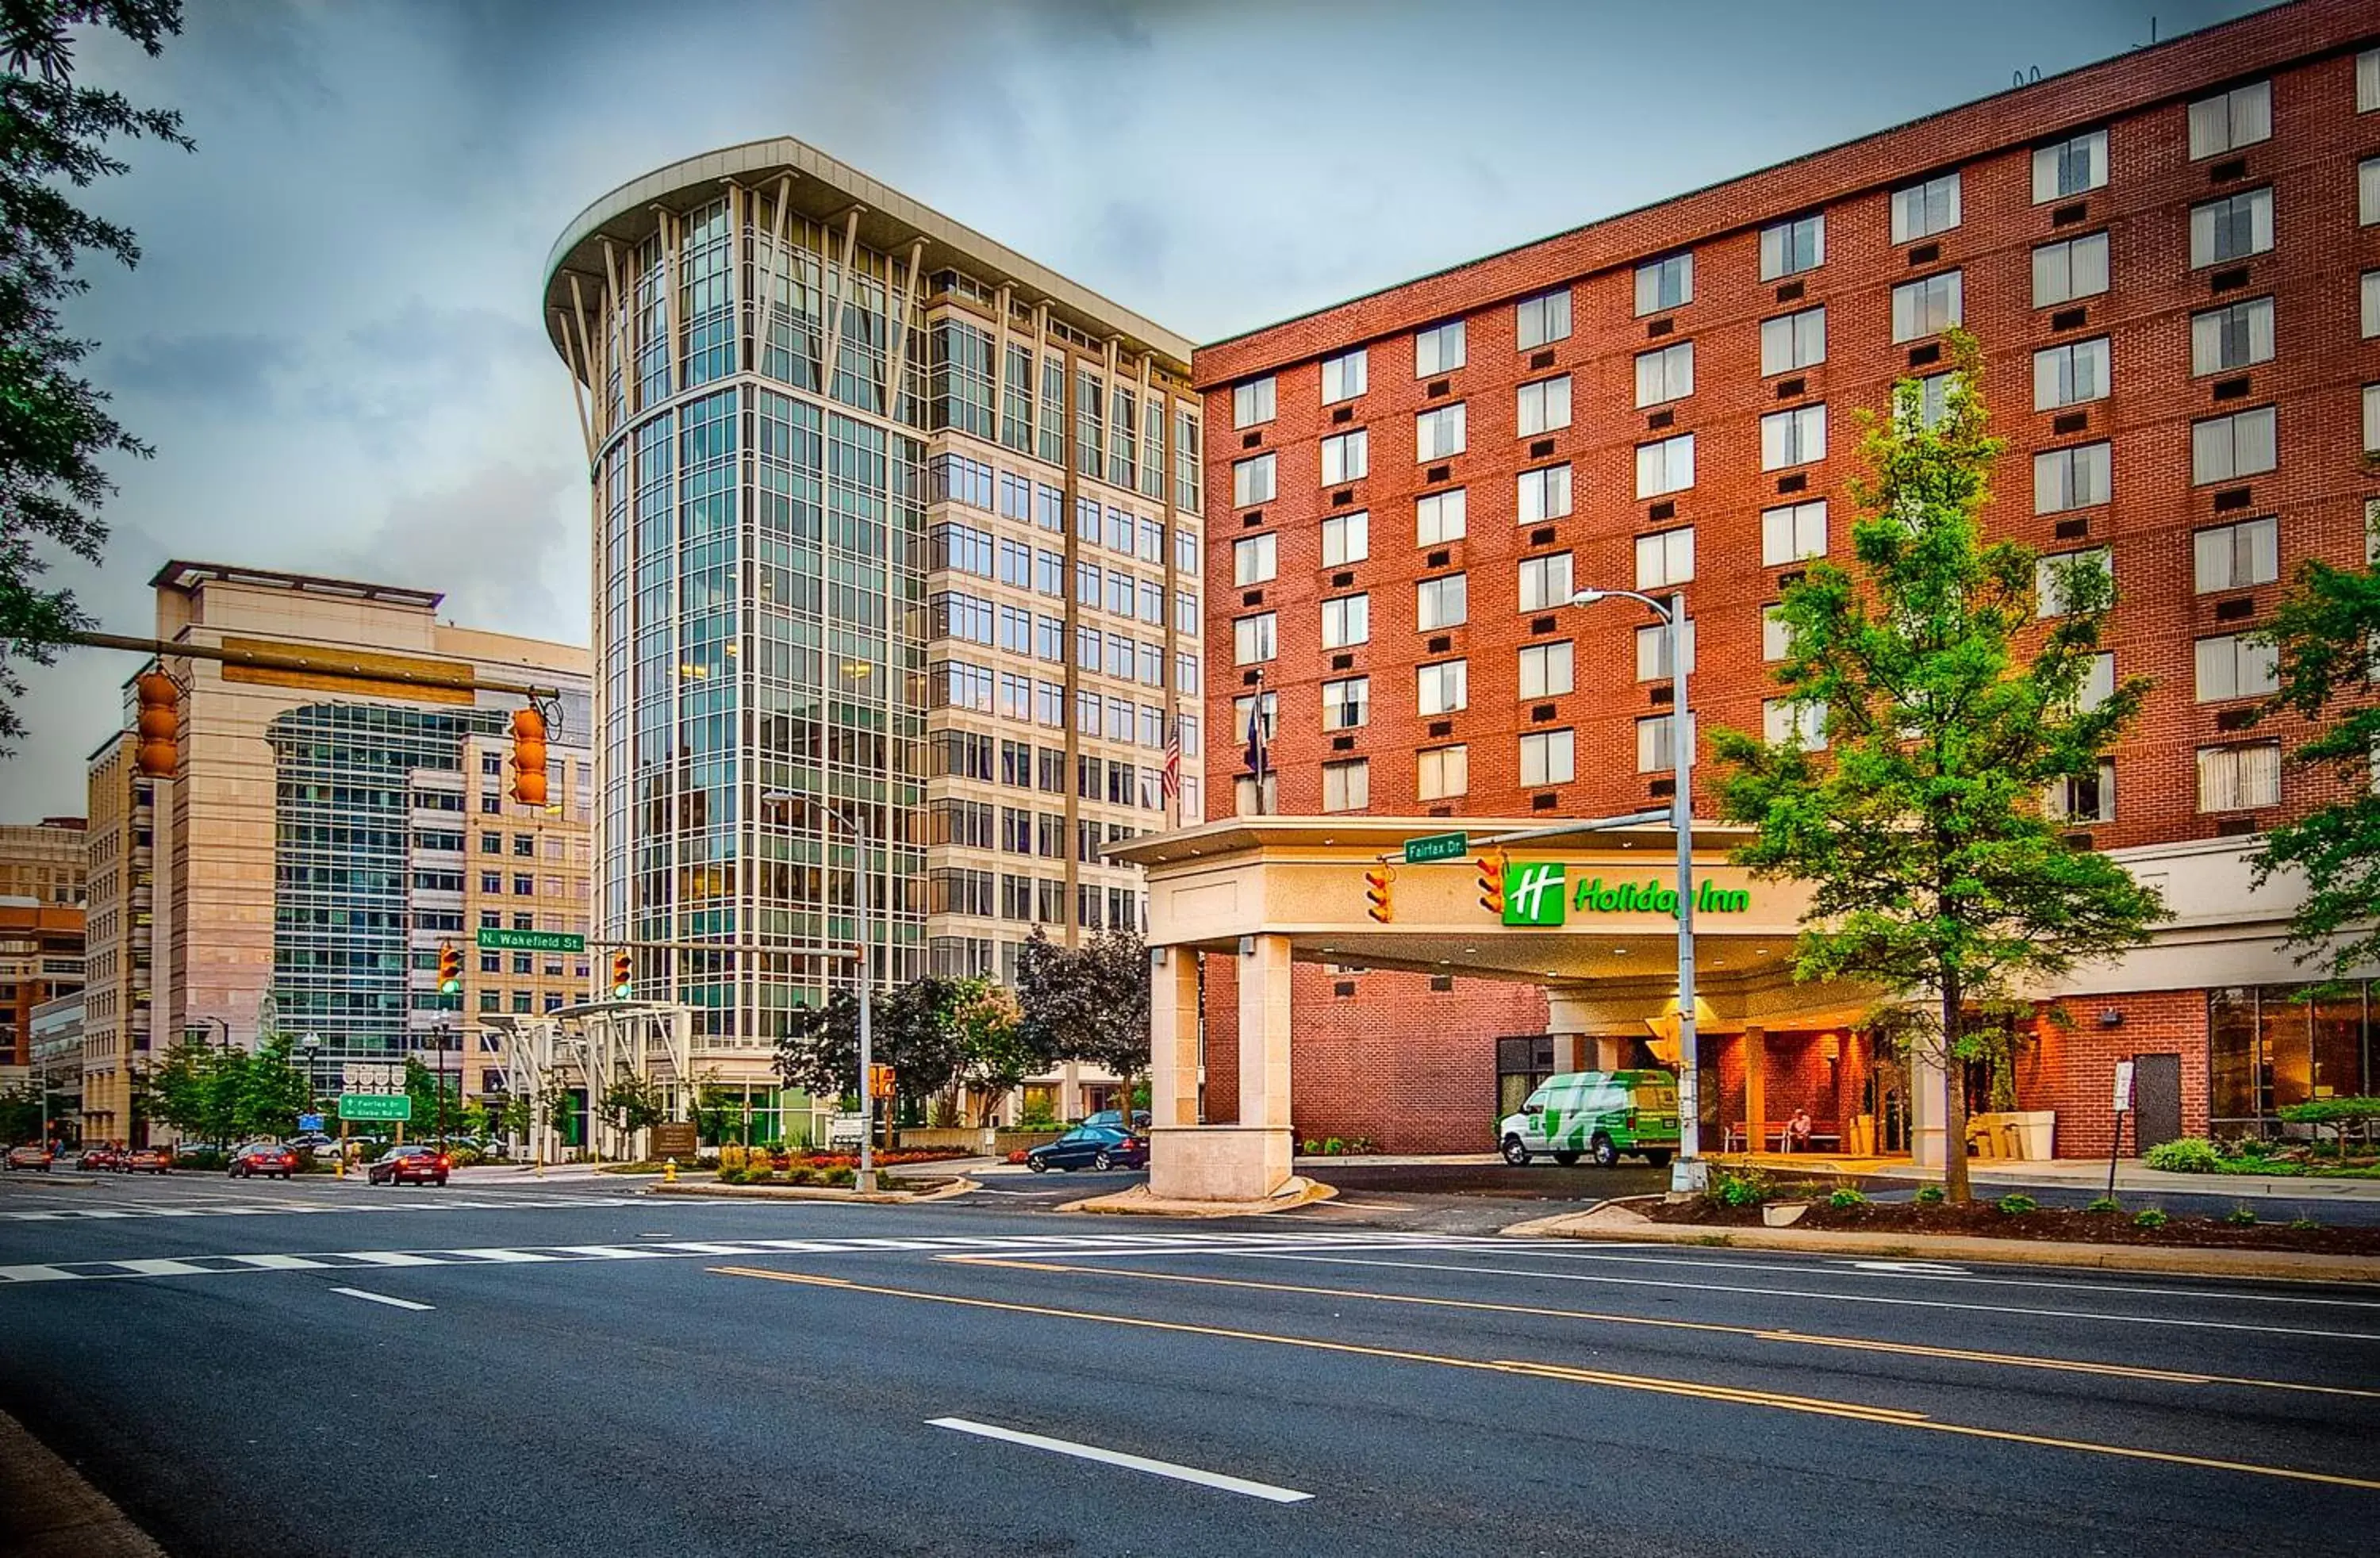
column 2240, row 1217
column 1845, row 1199
column 757, row 1173
column 2303, row 1226
column 1932, row 1195
column 462, row 1157
column 2189, row 1154
column 2105, row 1206
column 2017, row 1205
column 731, row 1160
column 1310, row 1147
column 2152, row 1218
column 840, row 1176
column 1740, row 1190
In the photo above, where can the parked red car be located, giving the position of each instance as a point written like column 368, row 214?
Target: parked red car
column 268, row 1157
column 33, row 1155
column 100, row 1155
column 147, row 1160
column 409, row 1165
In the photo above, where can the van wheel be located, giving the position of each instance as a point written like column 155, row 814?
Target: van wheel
column 1605, row 1154
column 1658, row 1159
column 1514, row 1154
column 1566, row 1159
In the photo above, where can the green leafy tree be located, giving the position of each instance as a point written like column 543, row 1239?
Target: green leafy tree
column 272, row 1090
column 1948, row 711
column 435, row 1104
column 2326, row 635
column 195, row 1088
column 634, row 1103
column 20, row 1114
column 996, row 1051
column 54, row 429
column 1087, row 1002
column 911, row 1030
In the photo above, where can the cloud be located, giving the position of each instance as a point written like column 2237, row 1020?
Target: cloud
column 219, row 372
column 507, row 541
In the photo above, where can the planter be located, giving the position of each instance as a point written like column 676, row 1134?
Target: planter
column 1783, row 1214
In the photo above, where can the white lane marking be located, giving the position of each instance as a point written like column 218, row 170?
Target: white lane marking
column 337, row 1203
column 37, row 1274
column 1822, row 1297
column 1910, row 1267
column 159, row 1268
column 389, row 1258
column 274, row 1262
column 1178, row 1472
column 380, row 1299
column 504, row 1257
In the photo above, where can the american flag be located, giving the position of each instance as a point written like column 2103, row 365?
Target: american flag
column 1169, row 777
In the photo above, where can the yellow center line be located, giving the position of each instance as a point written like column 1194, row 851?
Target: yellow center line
column 1758, row 1333
column 1881, row 1415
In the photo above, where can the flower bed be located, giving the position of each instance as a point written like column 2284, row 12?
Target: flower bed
column 1985, row 1219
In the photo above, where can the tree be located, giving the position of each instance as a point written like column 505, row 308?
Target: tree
column 55, row 137
column 997, row 1051
column 634, row 1103
column 1088, row 1003
column 911, row 1030
column 195, row 1088
column 2324, row 634
column 1948, row 713
column 272, row 1090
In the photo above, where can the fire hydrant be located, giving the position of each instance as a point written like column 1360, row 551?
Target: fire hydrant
column 669, row 1171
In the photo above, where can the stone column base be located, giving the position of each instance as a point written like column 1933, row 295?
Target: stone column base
column 1217, row 1162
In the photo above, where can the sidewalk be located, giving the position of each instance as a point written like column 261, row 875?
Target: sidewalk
column 2082, row 1174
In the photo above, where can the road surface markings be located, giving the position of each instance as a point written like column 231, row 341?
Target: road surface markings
column 371, row 1297
column 1885, row 1417
column 1751, row 1333
column 1811, row 1294
column 1178, row 1472
column 275, row 1209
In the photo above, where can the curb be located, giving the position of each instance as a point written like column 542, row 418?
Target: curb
column 2282, row 1264
column 47, row 1507
column 815, row 1193
column 1137, row 1202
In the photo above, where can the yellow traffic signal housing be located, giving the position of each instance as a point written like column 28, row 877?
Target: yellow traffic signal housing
column 450, row 969
column 880, row 1082
column 160, row 725
column 622, row 982
column 1491, row 882
column 528, row 757
column 1377, row 894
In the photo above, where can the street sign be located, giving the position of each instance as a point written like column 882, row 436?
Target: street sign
column 371, row 1077
column 309, row 1122
column 2123, row 1086
column 496, row 938
column 375, row 1106
column 675, row 1138
column 1436, row 847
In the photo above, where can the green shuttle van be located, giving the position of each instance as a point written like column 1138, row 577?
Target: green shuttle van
column 1597, row 1115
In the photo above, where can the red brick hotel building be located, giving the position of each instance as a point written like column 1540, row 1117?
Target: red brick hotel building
column 2172, row 260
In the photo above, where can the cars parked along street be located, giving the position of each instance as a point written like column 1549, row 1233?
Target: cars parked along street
column 409, row 1165
column 31, row 1156
column 1090, row 1147
column 268, row 1157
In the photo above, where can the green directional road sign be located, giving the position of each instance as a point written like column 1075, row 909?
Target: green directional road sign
column 492, row 939
column 1436, row 847
column 375, row 1106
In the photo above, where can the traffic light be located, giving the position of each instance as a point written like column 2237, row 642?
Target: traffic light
column 528, row 757
column 1376, row 893
column 160, row 724
column 621, row 981
column 880, row 1082
column 450, row 969
column 1491, row 882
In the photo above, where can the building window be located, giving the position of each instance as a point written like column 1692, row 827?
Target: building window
column 1252, row 639
column 1548, row 757
column 1792, row 533
column 1794, row 437
column 2371, row 419
column 1346, row 538
column 1443, row 772
column 1252, row 480
column 1266, row 708
column 1346, row 456
column 1665, row 558
column 1776, row 634
column 1654, row 744
column 1933, row 400
column 1544, row 582
column 1546, row 670
column 2073, row 166
column 1542, row 319
column 1344, row 376
column 2367, row 82
column 1346, row 621
column 2237, row 778
column 1346, row 786
column 1438, row 433
column 1251, row 403
column 2241, row 116
column 1441, row 602
column 1794, row 722
column 1653, row 651
column 2367, row 191
column 1439, row 349
column 2232, row 228
column 1665, row 375
column 1544, row 406
column 2050, row 577
column 1347, row 703
column 1923, row 210
column 2063, row 272
column 1544, row 495
column 1788, row 249
column 2371, row 304
column 2239, row 336
column 1442, row 516
column 1794, row 340
column 2075, row 477
column 2232, row 666
column 2082, row 798
column 1927, row 307
column 1667, row 466
column 2236, row 556
column 2071, row 374
column 2225, row 448
column 1254, row 559
column 1442, row 689
column 1665, row 284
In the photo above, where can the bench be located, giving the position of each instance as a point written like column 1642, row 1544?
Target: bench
column 1823, row 1133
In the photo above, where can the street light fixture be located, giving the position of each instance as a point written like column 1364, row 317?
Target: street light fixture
column 1690, row 1172
column 854, row 824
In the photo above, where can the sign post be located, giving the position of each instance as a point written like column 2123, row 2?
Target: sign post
column 2123, row 1102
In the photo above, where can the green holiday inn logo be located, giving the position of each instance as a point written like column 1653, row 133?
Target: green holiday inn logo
column 1538, row 894
column 1533, row 894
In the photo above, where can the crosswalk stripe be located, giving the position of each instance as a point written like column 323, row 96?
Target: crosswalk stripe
column 354, row 1202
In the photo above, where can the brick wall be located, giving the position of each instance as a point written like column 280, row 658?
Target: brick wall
column 2071, row 1067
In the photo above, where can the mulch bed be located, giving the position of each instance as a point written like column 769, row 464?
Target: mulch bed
column 1984, row 1220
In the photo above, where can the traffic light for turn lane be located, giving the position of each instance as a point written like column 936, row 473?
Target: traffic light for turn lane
column 528, row 757
column 1377, row 894
column 160, row 725
column 880, row 1082
column 621, row 980
column 1491, row 882
column 450, row 969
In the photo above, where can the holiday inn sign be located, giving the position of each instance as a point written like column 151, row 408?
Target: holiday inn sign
column 1536, row 893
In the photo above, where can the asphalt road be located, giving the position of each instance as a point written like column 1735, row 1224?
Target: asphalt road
column 576, row 1367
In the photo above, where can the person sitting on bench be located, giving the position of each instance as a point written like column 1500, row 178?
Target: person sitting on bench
column 1797, row 1131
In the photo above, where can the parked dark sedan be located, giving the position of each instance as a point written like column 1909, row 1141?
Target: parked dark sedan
column 1090, row 1147
column 268, row 1157
column 409, row 1165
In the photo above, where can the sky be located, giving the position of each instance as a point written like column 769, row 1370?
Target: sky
column 332, row 338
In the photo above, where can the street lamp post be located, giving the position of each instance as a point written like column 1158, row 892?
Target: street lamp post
column 853, row 824
column 1690, row 1172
